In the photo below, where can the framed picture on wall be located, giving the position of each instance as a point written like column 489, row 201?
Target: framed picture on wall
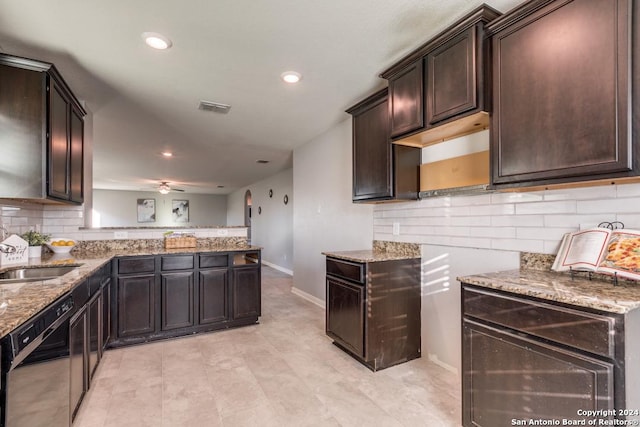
column 180, row 210
column 146, row 210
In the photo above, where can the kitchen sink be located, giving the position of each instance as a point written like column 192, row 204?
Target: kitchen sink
column 34, row 274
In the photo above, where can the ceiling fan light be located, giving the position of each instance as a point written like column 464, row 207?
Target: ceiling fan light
column 164, row 189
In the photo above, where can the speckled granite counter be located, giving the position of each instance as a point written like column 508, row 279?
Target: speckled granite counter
column 579, row 291
column 382, row 251
column 20, row 301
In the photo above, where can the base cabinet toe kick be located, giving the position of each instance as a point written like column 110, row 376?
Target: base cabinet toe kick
column 527, row 360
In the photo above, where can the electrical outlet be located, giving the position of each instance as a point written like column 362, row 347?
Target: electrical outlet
column 396, row 228
column 120, row 234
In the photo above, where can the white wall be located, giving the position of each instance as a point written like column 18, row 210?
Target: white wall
column 324, row 218
column 119, row 209
column 271, row 219
column 465, row 235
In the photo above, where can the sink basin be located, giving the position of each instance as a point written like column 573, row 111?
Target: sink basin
column 34, row 274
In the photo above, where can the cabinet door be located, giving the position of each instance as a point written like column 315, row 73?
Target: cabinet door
column 94, row 313
column 76, row 158
column 246, row 292
column 177, row 300
column 451, row 78
column 506, row 376
column 406, row 99
column 561, row 93
column 213, row 289
column 106, row 314
column 345, row 314
column 77, row 355
column 136, row 305
column 372, row 173
column 58, row 150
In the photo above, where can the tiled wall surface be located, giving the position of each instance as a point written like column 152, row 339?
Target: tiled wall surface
column 530, row 222
column 67, row 221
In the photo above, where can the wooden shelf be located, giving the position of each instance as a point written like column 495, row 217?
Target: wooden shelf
column 464, row 126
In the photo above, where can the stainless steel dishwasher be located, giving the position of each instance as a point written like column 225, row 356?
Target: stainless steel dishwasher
column 36, row 369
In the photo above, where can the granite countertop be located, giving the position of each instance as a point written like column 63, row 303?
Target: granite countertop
column 579, row 291
column 20, row 301
column 369, row 256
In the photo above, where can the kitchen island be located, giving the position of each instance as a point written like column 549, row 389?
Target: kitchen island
column 539, row 345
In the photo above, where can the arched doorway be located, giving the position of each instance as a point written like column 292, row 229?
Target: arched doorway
column 247, row 214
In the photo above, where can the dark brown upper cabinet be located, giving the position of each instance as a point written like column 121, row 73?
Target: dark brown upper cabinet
column 406, row 106
column 42, row 134
column 381, row 170
column 442, row 81
column 565, row 85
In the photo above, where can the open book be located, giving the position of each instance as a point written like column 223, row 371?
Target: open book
column 601, row 250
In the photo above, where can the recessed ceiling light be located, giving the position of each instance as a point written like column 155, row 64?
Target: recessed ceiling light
column 156, row 41
column 291, row 76
column 167, row 154
column 262, row 161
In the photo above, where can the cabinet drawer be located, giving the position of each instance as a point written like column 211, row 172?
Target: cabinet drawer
column 586, row 331
column 213, row 260
column 136, row 265
column 346, row 269
column 176, row 262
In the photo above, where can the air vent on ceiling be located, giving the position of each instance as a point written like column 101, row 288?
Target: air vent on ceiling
column 215, row 107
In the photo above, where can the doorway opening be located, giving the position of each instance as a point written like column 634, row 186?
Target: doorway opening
column 247, row 214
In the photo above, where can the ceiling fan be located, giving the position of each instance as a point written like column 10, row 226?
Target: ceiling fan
column 165, row 188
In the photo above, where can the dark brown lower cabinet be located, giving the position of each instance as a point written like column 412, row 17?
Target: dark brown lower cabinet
column 157, row 297
column 525, row 359
column 136, row 305
column 177, row 300
column 373, row 310
column 94, row 313
column 214, row 290
column 106, row 312
column 77, row 357
column 246, row 292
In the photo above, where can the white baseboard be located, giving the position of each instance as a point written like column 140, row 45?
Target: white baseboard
column 315, row 300
column 433, row 358
column 277, row 267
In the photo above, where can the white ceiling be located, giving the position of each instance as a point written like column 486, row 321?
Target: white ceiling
column 229, row 51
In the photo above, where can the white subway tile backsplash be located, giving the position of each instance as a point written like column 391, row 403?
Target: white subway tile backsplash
column 493, row 232
column 572, row 221
column 471, row 242
column 555, row 207
column 582, row 193
column 628, row 190
column 517, row 220
column 489, row 210
column 630, row 220
column 518, row 245
column 544, row 233
column 498, row 198
column 477, row 221
column 624, row 205
column 483, row 199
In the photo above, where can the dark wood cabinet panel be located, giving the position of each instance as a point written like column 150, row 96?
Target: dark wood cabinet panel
column 214, row 296
column 177, row 262
column 136, row 265
column 246, row 292
column 106, row 313
column 76, row 161
column 562, row 93
column 213, row 260
column 94, row 314
column 406, row 105
column 177, row 300
column 372, row 174
column 345, row 314
column 452, row 86
column 381, row 171
column 58, row 144
column 506, row 376
column 136, row 305
column 78, row 362
column 43, row 118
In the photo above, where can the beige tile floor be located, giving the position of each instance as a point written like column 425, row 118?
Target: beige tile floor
column 282, row 372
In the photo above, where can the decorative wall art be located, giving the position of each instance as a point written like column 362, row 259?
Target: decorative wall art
column 180, row 210
column 146, row 210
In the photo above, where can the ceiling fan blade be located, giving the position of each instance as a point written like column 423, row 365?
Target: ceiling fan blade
column 177, row 189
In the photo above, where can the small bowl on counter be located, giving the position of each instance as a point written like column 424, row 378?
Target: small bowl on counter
column 61, row 245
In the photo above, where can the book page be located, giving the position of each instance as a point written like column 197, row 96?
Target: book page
column 583, row 250
column 623, row 254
